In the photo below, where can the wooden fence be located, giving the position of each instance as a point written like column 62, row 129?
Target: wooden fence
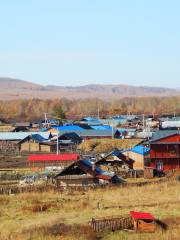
column 112, row 223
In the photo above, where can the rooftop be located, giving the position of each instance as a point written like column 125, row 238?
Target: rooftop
column 142, row 215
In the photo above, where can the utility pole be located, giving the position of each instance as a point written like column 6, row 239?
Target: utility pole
column 57, row 149
column 98, row 112
column 112, row 131
column 143, row 122
column 45, row 119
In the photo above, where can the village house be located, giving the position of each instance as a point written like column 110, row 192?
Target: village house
column 67, row 141
column 9, row 141
column 87, row 133
column 36, row 143
column 115, row 160
column 85, row 173
column 169, row 123
column 165, row 151
column 54, row 160
column 139, row 155
column 70, row 138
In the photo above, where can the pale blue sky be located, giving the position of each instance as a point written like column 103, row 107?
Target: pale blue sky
column 76, row 42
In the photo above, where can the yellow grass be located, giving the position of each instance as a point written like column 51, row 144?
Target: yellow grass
column 107, row 145
column 24, row 217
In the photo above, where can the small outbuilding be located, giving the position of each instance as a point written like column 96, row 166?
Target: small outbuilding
column 143, row 221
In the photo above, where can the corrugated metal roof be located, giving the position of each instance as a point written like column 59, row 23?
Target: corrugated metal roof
column 53, row 157
column 162, row 134
column 171, row 124
column 101, row 127
column 92, row 133
column 97, row 170
column 35, row 137
column 86, row 166
column 70, row 136
column 170, row 119
column 10, row 136
column 69, row 128
column 113, row 122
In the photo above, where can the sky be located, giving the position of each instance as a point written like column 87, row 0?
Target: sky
column 78, row 42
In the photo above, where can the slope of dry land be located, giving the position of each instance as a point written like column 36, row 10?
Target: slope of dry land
column 54, row 215
column 107, row 145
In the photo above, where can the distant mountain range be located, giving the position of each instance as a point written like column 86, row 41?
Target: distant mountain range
column 17, row 89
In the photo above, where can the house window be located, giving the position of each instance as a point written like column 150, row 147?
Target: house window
column 159, row 165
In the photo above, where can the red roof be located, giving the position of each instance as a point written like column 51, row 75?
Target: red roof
column 53, row 157
column 104, row 177
column 142, row 215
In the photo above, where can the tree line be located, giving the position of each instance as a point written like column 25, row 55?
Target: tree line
column 34, row 109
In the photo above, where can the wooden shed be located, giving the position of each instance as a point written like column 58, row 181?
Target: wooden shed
column 143, row 221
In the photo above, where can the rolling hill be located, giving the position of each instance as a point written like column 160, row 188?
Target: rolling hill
column 16, row 89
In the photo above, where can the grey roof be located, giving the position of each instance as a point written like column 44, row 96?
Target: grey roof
column 10, row 136
column 70, row 136
column 92, row 133
column 162, row 134
column 170, row 119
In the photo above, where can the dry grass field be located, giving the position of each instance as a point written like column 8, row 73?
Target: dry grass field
column 56, row 215
column 107, row 145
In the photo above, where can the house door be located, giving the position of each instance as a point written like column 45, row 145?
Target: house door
column 159, row 165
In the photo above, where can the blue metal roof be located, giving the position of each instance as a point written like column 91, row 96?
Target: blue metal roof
column 69, row 128
column 98, row 170
column 116, row 153
column 101, row 127
column 38, row 138
column 140, row 150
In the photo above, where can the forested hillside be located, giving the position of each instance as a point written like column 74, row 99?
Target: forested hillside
column 34, row 109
